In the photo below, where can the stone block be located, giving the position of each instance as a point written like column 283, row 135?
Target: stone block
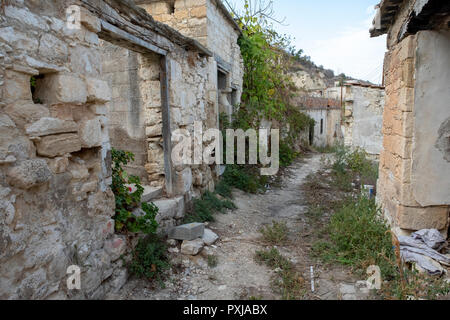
column 16, row 87
column 62, row 88
column 416, row 218
column 153, row 131
column 98, row 91
column 151, row 193
column 52, row 48
column 209, row 237
column 183, row 181
column 116, row 247
column 58, row 145
column 90, row 22
column 23, row 112
column 91, row 133
column 198, row 12
column 29, row 173
column 193, row 247
column 187, row 232
column 167, row 209
column 58, row 165
column 48, row 126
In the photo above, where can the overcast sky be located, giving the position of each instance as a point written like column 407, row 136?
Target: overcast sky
column 334, row 33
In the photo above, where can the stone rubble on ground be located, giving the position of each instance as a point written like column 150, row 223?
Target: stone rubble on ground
column 187, row 232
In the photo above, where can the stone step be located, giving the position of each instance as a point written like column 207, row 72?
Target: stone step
column 170, row 208
column 151, row 193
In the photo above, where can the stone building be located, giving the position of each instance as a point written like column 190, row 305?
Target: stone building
column 414, row 184
column 76, row 78
column 327, row 116
column 210, row 23
column 362, row 114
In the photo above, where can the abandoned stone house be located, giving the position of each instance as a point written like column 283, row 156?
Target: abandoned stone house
column 362, row 114
column 414, row 184
column 106, row 74
column 327, row 116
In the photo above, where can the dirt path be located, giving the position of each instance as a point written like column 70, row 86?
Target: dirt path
column 237, row 275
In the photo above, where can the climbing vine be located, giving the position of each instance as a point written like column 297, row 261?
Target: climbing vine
column 268, row 87
column 127, row 200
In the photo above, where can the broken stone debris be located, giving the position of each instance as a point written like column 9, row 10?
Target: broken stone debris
column 192, row 247
column 209, row 237
column 194, row 236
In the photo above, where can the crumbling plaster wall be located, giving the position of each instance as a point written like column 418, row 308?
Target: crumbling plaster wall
column 363, row 118
column 411, row 126
column 331, row 129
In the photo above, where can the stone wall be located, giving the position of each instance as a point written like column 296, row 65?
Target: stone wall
column 327, row 130
column 55, row 159
column 56, row 205
column 363, row 118
column 205, row 21
column 404, row 149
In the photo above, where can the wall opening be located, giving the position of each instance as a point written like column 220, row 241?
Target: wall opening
column 135, row 111
column 321, row 126
column 36, row 88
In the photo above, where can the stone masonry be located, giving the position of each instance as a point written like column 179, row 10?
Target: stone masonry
column 413, row 187
column 56, row 206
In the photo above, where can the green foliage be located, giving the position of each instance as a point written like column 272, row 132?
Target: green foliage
column 149, row 258
column 205, row 207
column 245, row 178
column 126, row 200
column 212, row 261
column 353, row 164
column 275, row 234
column 267, row 87
column 289, row 283
column 359, row 237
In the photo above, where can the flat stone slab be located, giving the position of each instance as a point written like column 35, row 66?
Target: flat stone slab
column 187, row 232
column 151, row 193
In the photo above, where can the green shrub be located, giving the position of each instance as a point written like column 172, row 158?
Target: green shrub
column 245, row 178
column 277, row 233
column 205, row 207
column 149, row 259
column 358, row 238
column 126, row 200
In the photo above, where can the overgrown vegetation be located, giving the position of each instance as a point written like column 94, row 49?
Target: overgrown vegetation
column 289, row 283
column 127, row 199
column 204, row 208
column 275, row 234
column 356, row 234
column 150, row 259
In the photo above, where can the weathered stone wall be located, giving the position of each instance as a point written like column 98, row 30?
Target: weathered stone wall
column 56, row 206
column 396, row 185
column 363, row 118
column 327, row 130
column 135, row 109
column 205, row 21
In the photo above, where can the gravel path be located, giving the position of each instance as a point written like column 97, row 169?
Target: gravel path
column 237, row 275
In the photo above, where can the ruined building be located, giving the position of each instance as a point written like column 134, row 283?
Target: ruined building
column 76, row 79
column 362, row 114
column 414, row 184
